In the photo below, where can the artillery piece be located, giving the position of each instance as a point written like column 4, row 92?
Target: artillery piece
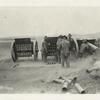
column 23, row 47
column 76, row 43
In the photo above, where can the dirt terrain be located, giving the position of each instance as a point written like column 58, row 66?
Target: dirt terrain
column 27, row 76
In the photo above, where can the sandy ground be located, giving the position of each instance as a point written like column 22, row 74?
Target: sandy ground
column 27, row 76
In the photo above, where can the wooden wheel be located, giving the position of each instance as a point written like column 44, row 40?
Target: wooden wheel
column 76, row 47
column 13, row 55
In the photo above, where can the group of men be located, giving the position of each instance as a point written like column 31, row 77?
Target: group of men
column 65, row 46
column 63, row 50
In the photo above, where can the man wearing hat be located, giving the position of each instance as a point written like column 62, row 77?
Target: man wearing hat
column 72, row 43
column 58, row 48
column 44, row 49
column 36, row 51
column 64, row 46
column 84, row 47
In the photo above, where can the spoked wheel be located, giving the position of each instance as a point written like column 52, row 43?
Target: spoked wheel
column 13, row 55
column 76, row 50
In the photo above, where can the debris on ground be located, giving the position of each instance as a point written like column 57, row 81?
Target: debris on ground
column 69, row 83
column 79, row 88
column 14, row 65
column 94, row 70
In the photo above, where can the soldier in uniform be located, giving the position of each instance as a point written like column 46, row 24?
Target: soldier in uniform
column 64, row 47
column 58, row 48
column 36, row 50
column 72, row 44
column 84, row 47
column 44, row 49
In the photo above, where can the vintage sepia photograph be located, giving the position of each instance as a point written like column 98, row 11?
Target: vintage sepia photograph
column 50, row 50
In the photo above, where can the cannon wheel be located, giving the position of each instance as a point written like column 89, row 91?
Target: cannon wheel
column 76, row 47
column 34, row 51
column 14, row 58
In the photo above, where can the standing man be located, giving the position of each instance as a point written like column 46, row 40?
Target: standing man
column 72, row 44
column 65, row 51
column 36, row 50
column 44, row 49
column 58, row 49
column 84, row 47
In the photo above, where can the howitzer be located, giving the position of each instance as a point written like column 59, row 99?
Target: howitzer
column 22, row 47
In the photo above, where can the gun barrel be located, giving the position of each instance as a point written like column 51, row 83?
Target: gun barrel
column 92, row 46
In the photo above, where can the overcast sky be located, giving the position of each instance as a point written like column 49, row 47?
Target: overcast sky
column 48, row 20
